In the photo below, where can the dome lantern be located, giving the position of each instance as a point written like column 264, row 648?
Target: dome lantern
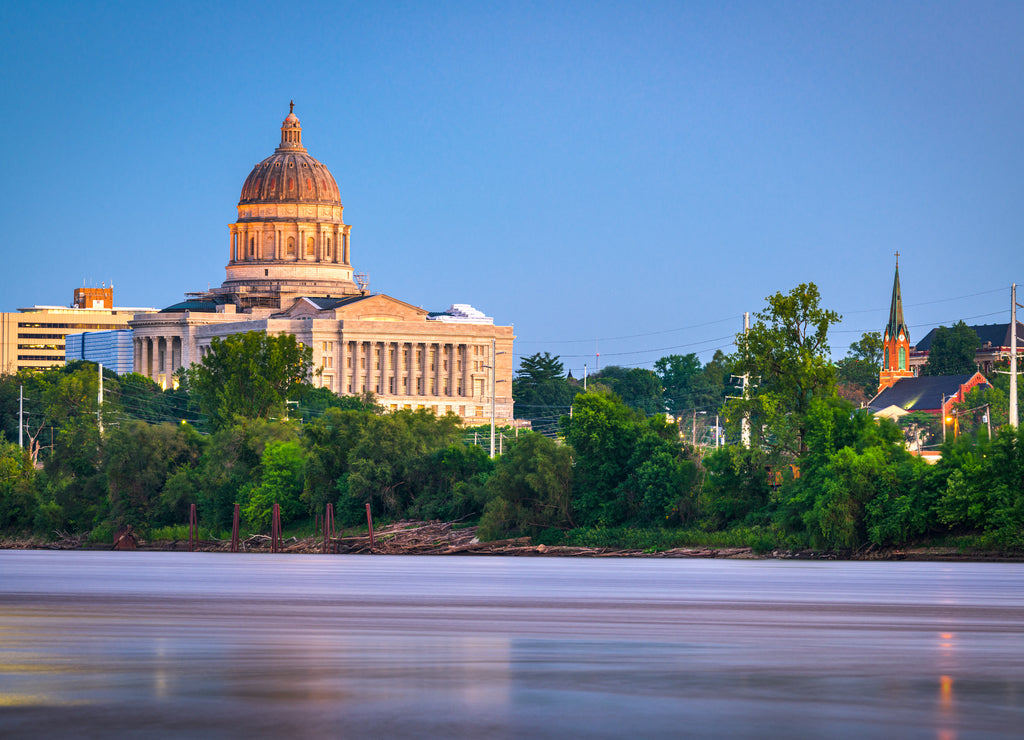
column 291, row 132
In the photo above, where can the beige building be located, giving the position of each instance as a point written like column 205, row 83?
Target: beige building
column 289, row 271
column 34, row 337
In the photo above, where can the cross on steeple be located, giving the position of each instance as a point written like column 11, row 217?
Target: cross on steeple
column 897, row 259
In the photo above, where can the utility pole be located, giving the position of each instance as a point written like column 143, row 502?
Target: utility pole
column 494, row 371
column 693, row 430
column 99, row 399
column 1013, row 355
column 745, row 423
column 21, row 414
column 942, row 413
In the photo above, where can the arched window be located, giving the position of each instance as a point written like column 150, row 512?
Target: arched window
column 328, row 248
column 291, row 245
column 309, row 246
column 886, row 364
column 903, row 358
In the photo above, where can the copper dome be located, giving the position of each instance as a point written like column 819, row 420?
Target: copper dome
column 290, row 175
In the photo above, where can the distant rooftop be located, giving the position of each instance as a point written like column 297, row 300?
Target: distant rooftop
column 461, row 313
column 989, row 335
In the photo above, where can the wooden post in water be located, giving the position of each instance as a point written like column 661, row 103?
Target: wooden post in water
column 369, row 523
column 234, row 531
column 193, row 528
column 329, row 532
column 275, row 530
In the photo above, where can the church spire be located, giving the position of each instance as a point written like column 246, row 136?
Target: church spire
column 896, row 322
column 895, row 341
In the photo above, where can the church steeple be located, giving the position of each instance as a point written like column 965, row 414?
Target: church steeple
column 896, row 322
column 895, row 340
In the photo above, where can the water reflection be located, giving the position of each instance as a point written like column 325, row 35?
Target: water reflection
column 229, row 645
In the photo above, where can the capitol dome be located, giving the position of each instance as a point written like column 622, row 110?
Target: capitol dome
column 290, row 175
column 290, row 238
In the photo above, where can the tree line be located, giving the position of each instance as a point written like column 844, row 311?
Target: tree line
column 246, row 426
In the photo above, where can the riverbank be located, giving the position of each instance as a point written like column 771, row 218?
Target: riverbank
column 444, row 538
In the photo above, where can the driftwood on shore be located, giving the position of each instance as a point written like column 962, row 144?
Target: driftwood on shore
column 451, row 538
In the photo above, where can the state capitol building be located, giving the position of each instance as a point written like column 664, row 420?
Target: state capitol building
column 289, row 271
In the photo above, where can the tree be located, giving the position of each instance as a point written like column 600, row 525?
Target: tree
column 952, row 351
column 638, row 387
column 786, row 355
column 138, row 460
column 677, row 374
column 250, row 375
column 857, row 373
column 231, row 462
column 17, row 488
column 540, row 389
column 529, row 489
column 280, row 482
column 628, row 468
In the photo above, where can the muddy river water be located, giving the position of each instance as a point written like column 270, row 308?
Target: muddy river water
column 98, row 644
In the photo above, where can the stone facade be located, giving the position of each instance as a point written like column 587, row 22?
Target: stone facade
column 289, row 271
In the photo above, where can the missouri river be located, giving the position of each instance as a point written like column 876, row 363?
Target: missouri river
column 99, row 644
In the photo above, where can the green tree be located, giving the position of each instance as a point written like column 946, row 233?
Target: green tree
column 638, row 387
column 329, row 440
column 280, row 482
column 540, row 389
column 952, row 351
column 530, row 490
column 678, row 374
column 17, row 488
column 388, row 465
column 786, row 355
column 857, row 373
column 138, row 460
column 451, row 483
column 250, row 375
column 984, row 486
column 628, row 468
column 230, row 462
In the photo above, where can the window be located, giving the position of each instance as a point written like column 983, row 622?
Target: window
column 903, row 358
column 291, row 245
column 309, row 246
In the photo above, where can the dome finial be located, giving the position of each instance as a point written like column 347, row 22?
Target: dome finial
column 291, row 106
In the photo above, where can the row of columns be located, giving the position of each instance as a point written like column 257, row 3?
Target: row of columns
column 404, row 369
column 155, row 356
column 330, row 243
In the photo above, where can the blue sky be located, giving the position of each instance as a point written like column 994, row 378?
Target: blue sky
column 627, row 178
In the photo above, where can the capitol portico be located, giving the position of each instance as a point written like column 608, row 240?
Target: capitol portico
column 289, row 271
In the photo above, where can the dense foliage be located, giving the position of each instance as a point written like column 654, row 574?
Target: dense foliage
column 607, row 465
